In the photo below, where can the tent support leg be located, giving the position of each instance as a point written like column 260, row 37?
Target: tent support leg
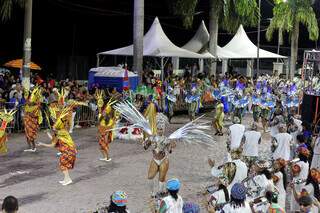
column 98, row 60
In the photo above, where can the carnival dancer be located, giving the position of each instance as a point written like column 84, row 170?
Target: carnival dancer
column 193, row 102
column 234, row 168
column 218, row 118
column 263, row 178
column 276, row 120
column 238, row 202
column 281, row 144
column 32, row 116
column 267, row 105
column 256, row 109
column 235, row 133
column 106, row 122
column 160, row 144
column 170, row 101
column 250, row 145
column 221, row 195
column 300, row 173
column 316, row 154
column 310, row 188
column 5, row 117
column 172, row 203
column 240, row 102
column 62, row 140
column 279, row 178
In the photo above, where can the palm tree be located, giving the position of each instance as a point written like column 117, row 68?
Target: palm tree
column 228, row 14
column 6, row 8
column 287, row 16
column 138, row 25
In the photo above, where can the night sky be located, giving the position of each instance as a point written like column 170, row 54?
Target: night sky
column 67, row 34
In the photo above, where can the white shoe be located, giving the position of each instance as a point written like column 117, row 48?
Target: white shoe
column 30, row 150
column 66, row 183
column 105, row 159
column 70, row 132
column 77, row 126
column 61, row 181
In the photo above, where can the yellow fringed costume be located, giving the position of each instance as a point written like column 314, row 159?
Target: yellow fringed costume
column 61, row 138
column 5, row 117
column 107, row 121
column 32, row 114
column 63, row 141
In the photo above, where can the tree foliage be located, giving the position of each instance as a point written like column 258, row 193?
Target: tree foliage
column 286, row 14
column 231, row 13
column 6, row 8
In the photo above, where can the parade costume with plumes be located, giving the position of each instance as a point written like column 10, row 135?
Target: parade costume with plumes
column 60, row 138
column 106, row 119
column 5, row 117
column 170, row 101
column 162, row 145
column 193, row 103
column 32, row 116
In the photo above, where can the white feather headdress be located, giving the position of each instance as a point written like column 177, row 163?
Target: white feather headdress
column 131, row 114
column 193, row 132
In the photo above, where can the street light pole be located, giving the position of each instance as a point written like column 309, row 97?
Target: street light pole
column 258, row 45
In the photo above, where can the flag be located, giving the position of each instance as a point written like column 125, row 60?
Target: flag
column 125, row 85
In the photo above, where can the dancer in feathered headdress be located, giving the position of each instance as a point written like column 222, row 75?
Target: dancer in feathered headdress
column 5, row 117
column 107, row 121
column 62, row 140
column 193, row 102
column 32, row 116
column 160, row 144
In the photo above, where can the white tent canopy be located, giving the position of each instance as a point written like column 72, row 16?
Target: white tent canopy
column 157, row 44
column 199, row 42
column 245, row 49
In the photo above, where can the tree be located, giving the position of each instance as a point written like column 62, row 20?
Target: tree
column 227, row 14
column 138, row 25
column 6, row 8
column 287, row 16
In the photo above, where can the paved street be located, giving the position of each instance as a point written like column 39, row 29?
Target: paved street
column 33, row 177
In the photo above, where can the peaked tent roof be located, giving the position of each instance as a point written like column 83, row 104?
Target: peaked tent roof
column 244, row 48
column 198, row 43
column 199, row 40
column 156, row 43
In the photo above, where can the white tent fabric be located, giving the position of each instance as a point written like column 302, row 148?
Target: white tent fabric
column 157, row 44
column 111, row 72
column 201, row 40
column 244, row 48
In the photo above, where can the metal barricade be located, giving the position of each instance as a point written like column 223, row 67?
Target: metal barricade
column 85, row 116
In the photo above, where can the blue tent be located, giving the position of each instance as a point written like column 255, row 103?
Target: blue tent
column 111, row 77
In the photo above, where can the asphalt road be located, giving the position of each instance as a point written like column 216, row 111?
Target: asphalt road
column 33, row 177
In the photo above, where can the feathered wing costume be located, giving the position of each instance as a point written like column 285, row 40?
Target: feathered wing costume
column 161, row 145
column 6, row 117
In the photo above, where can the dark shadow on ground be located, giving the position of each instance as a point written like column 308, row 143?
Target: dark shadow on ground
column 98, row 171
column 35, row 171
column 31, row 198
